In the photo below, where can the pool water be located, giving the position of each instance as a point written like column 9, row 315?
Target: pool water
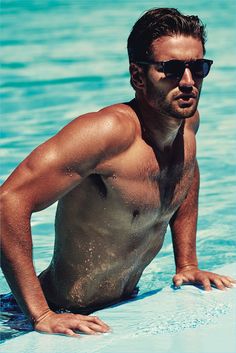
column 60, row 59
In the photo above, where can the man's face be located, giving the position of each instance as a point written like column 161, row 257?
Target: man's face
column 171, row 96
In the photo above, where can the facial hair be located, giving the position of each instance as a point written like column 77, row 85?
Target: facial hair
column 168, row 105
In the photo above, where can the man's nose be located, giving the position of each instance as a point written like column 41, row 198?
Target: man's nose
column 187, row 78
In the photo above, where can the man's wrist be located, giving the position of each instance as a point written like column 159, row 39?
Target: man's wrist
column 36, row 319
column 188, row 266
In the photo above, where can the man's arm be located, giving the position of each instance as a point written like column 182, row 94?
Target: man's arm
column 48, row 173
column 183, row 228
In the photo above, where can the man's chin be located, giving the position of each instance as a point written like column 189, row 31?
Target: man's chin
column 184, row 112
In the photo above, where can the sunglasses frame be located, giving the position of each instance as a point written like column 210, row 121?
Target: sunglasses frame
column 185, row 64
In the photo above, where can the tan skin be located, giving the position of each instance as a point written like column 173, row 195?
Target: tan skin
column 121, row 175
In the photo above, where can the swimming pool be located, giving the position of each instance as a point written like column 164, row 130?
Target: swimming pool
column 63, row 58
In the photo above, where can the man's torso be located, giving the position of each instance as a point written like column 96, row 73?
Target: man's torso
column 110, row 227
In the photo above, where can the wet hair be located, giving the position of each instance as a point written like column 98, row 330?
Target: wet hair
column 159, row 22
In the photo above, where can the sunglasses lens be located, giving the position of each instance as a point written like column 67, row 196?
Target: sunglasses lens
column 200, row 68
column 174, row 68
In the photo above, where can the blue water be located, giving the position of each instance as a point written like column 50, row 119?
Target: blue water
column 60, row 59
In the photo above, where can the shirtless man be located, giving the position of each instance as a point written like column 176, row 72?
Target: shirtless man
column 121, row 175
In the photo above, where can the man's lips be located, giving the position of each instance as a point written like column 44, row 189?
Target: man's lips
column 186, row 97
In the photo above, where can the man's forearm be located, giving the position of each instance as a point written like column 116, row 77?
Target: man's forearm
column 26, row 288
column 16, row 260
column 184, row 227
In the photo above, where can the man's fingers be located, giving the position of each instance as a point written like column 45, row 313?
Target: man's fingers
column 178, row 280
column 204, row 278
column 100, row 322
column 230, row 279
column 206, row 284
column 178, row 283
column 68, row 324
column 218, row 283
column 70, row 332
column 227, row 283
column 95, row 320
column 223, row 282
column 83, row 327
column 97, row 328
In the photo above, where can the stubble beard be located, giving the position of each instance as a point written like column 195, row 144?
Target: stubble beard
column 168, row 106
column 184, row 112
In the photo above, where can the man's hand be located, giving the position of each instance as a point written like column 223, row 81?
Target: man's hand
column 204, row 278
column 69, row 324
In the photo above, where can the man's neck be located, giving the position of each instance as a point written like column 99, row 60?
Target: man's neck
column 158, row 129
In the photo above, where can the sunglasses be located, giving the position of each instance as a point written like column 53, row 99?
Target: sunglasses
column 175, row 68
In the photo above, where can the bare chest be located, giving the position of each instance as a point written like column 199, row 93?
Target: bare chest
column 146, row 184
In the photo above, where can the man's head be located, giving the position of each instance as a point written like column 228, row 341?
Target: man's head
column 166, row 52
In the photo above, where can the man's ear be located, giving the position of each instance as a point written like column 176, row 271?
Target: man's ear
column 136, row 76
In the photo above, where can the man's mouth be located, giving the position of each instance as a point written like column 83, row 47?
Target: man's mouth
column 186, row 100
column 186, row 97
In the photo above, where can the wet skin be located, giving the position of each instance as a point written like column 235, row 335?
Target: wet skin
column 113, row 223
column 121, row 175
column 110, row 226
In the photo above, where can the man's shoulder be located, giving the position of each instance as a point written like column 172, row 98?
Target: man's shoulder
column 119, row 124
column 121, row 115
column 112, row 128
column 115, row 116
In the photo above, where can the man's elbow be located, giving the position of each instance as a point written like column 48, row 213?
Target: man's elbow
column 13, row 203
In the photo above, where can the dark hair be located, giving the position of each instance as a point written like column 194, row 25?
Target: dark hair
column 159, row 22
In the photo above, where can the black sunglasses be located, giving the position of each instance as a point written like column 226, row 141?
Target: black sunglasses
column 175, row 68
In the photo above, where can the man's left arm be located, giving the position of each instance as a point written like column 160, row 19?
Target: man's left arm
column 183, row 226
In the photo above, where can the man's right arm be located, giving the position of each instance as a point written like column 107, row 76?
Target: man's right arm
column 48, row 173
